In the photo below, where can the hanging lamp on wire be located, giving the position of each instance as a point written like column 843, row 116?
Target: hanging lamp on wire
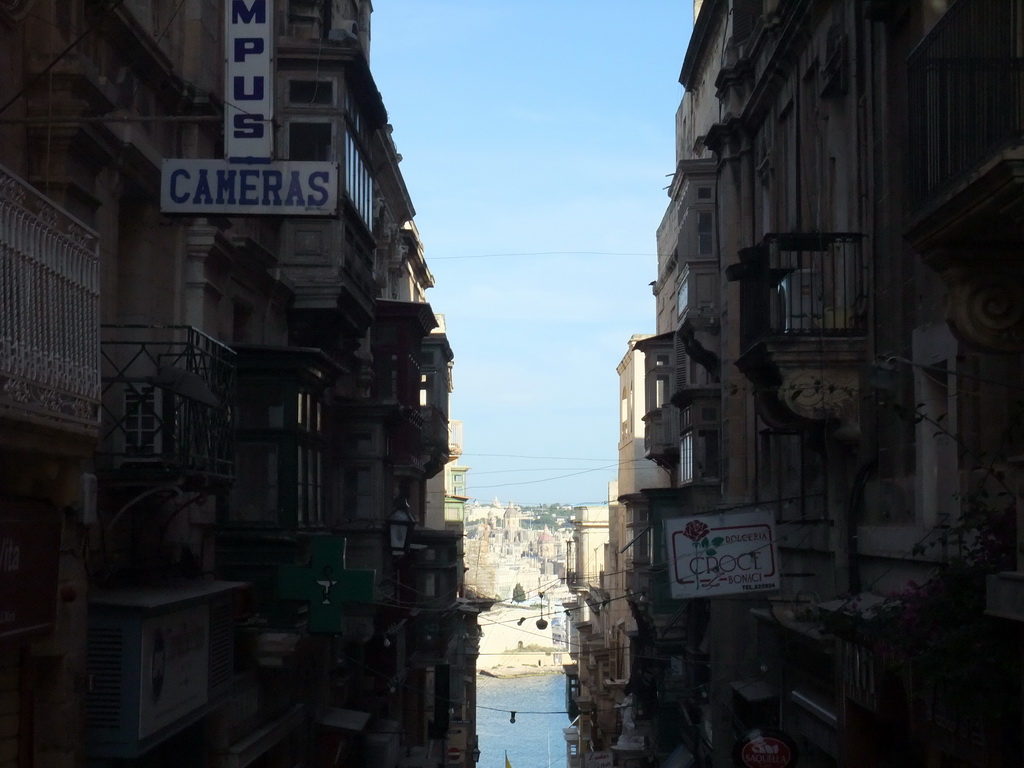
column 542, row 623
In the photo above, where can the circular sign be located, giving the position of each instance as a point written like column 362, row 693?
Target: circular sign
column 765, row 748
column 454, row 755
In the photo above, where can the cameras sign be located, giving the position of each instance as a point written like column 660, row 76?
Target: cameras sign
column 722, row 554
column 284, row 187
column 249, row 179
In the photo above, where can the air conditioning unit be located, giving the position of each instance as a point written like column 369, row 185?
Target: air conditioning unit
column 344, row 30
column 158, row 660
column 800, row 305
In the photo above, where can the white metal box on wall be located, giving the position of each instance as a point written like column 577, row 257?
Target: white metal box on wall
column 158, row 660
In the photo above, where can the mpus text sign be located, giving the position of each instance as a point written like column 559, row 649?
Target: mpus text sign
column 722, row 554
column 249, row 180
column 248, row 79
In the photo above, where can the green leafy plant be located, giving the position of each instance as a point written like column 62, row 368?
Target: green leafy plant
column 518, row 593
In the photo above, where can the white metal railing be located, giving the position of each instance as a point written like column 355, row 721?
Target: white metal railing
column 49, row 311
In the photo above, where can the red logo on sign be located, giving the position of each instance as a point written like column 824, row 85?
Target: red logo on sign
column 454, row 754
column 766, row 751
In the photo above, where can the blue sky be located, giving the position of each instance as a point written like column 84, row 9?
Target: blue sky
column 537, row 138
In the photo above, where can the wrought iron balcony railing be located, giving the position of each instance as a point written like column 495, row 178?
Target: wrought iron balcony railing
column 49, row 312
column 167, row 398
column 965, row 86
column 802, row 284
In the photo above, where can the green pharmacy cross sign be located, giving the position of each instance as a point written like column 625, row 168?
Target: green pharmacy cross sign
column 325, row 584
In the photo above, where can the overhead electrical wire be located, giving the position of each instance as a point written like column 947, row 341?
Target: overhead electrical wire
column 543, row 480
column 613, row 464
column 423, row 692
column 519, row 712
column 541, row 469
column 548, row 458
column 539, row 253
column 70, row 47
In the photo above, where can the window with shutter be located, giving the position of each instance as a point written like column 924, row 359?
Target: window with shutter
column 745, row 14
column 682, row 363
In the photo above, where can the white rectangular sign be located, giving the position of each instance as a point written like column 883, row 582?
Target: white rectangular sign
column 291, row 188
column 248, row 79
column 721, row 554
column 174, row 678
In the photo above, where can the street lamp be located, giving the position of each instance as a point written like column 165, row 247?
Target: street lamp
column 400, row 525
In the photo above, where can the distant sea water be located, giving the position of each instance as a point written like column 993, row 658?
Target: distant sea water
column 535, row 740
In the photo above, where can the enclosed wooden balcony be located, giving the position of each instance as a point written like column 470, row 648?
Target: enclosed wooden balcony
column 454, row 438
column 433, row 439
column 661, row 421
column 661, row 435
column 330, row 270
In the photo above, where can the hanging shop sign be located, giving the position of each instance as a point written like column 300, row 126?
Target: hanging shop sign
column 248, row 79
column 458, row 742
column 249, row 180
column 722, row 554
column 765, row 748
column 325, row 584
column 29, row 551
column 222, row 186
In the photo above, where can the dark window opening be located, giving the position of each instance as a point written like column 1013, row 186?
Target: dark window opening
column 311, row 92
column 309, row 141
column 704, row 233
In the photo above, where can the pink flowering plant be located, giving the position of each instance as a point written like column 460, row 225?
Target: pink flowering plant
column 939, row 630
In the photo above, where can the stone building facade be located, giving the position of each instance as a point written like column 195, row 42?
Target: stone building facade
column 837, row 266
column 223, row 396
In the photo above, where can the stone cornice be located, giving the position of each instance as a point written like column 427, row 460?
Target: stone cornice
column 700, row 39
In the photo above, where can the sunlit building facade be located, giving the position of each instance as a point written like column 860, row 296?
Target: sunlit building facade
column 840, row 236
column 224, row 400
